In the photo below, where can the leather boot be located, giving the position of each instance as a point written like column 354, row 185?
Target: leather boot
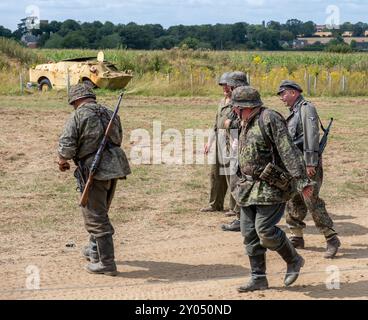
column 233, row 226
column 297, row 242
column 333, row 245
column 294, row 262
column 106, row 265
column 210, row 209
column 258, row 280
column 90, row 251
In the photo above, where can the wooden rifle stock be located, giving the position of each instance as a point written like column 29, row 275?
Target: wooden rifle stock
column 84, row 197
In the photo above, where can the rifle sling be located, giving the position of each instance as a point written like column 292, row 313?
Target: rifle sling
column 109, row 143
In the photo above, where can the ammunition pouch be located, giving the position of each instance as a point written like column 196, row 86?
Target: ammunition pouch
column 275, row 176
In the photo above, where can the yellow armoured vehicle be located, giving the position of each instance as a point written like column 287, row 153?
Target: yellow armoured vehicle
column 91, row 71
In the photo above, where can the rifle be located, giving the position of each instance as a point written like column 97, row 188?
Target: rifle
column 98, row 156
column 323, row 142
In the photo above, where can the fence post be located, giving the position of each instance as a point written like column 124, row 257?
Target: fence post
column 248, row 77
column 329, row 82
column 308, row 84
column 315, row 84
column 306, row 78
column 21, row 83
column 67, row 81
column 191, row 83
column 343, row 84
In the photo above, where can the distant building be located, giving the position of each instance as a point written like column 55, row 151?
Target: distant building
column 323, row 34
column 320, row 27
column 30, row 40
column 44, row 23
column 347, row 34
column 300, row 43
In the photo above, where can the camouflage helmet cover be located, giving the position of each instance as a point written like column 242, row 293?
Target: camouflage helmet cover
column 80, row 91
column 289, row 84
column 224, row 79
column 246, row 97
column 237, row 79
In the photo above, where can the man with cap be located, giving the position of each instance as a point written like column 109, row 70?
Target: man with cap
column 232, row 125
column 80, row 139
column 303, row 126
column 220, row 175
column 264, row 141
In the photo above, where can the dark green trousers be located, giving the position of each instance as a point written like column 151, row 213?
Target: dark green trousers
column 258, row 224
column 95, row 213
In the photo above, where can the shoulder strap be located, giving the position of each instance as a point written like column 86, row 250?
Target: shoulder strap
column 268, row 140
column 261, row 124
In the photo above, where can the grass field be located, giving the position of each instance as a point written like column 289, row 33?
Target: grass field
column 185, row 73
column 165, row 249
column 32, row 186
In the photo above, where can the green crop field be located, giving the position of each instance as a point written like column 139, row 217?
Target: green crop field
column 179, row 72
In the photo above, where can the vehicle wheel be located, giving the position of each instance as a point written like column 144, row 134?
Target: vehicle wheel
column 88, row 83
column 45, row 85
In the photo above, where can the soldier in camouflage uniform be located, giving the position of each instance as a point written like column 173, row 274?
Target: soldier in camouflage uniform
column 303, row 125
column 232, row 125
column 79, row 141
column 219, row 176
column 264, row 140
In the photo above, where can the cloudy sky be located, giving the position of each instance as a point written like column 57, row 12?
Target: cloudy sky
column 187, row 12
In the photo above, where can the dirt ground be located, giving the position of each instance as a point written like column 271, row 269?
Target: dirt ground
column 165, row 248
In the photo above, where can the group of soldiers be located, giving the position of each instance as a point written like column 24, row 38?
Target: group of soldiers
column 279, row 169
column 278, row 166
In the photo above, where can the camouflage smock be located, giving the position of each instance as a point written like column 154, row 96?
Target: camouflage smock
column 254, row 155
column 82, row 135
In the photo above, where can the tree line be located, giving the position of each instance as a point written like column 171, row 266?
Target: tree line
column 97, row 35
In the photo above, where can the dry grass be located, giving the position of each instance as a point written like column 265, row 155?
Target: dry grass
column 35, row 196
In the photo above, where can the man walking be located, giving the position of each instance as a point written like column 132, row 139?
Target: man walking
column 303, row 126
column 79, row 141
column 232, row 125
column 270, row 166
column 219, row 176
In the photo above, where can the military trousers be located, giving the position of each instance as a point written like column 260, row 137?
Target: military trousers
column 258, row 225
column 298, row 207
column 95, row 213
column 219, row 184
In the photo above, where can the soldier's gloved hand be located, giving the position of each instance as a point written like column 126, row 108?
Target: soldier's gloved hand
column 63, row 165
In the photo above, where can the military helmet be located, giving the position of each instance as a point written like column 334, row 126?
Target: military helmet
column 224, row 79
column 80, row 91
column 237, row 79
column 289, row 84
column 246, row 97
